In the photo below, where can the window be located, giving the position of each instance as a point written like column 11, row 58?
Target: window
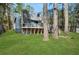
column 38, row 15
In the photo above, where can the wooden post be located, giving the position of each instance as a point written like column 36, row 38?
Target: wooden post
column 37, row 30
column 34, row 31
column 30, row 31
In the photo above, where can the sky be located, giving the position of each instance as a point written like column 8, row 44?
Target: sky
column 37, row 7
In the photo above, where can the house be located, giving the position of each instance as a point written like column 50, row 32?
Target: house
column 32, row 20
column 32, row 23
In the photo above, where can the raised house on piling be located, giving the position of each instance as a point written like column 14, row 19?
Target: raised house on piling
column 32, row 23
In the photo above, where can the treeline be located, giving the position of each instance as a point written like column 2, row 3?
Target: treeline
column 64, row 19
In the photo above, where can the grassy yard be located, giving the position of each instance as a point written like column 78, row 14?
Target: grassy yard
column 12, row 43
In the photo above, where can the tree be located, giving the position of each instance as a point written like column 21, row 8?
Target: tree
column 1, row 13
column 76, row 15
column 11, row 12
column 66, row 30
column 55, row 21
column 19, row 8
column 1, row 18
column 6, row 15
column 72, row 19
column 29, row 8
column 45, row 24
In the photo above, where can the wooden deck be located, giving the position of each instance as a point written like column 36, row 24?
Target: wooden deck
column 32, row 30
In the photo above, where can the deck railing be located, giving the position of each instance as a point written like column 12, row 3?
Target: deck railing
column 32, row 30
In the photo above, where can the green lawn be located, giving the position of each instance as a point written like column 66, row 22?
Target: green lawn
column 12, row 43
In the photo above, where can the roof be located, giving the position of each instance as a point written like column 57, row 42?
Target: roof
column 36, row 17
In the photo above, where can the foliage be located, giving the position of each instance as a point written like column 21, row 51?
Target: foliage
column 19, row 8
column 29, row 8
column 76, row 10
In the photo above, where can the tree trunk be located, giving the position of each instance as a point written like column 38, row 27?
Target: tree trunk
column 45, row 24
column 55, row 22
column 66, row 17
column 5, row 16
